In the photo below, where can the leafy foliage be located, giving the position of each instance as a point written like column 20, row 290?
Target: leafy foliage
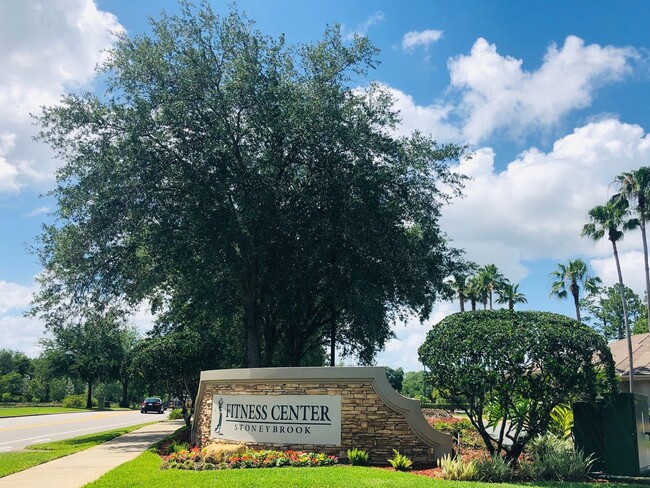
column 358, row 457
column 395, row 378
column 400, row 462
column 229, row 176
column 521, row 364
column 561, row 422
column 456, row 469
column 606, row 314
column 554, row 458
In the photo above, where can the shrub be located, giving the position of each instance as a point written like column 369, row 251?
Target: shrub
column 176, row 414
column 77, row 401
column 357, row 457
column 494, row 469
column 400, row 462
column 497, row 363
column 461, row 429
column 555, row 459
column 561, row 421
column 178, row 447
column 458, row 470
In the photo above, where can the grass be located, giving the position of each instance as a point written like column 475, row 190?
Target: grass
column 12, row 462
column 145, row 471
column 25, row 411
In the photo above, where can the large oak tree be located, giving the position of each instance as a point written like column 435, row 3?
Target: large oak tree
column 226, row 171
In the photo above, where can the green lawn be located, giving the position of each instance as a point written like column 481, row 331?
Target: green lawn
column 24, row 411
column 145, row 471
column 12, row 462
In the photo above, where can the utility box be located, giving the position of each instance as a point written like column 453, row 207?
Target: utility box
column 616, row 433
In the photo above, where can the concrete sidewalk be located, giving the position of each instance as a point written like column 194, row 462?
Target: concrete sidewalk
column 83, row 467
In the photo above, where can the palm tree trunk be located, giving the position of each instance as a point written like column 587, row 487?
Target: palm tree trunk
column 625, row 318
column 576, row 299
column 461, row 298
column 645, row 262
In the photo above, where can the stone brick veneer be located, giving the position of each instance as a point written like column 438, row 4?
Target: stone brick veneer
column 374, row 417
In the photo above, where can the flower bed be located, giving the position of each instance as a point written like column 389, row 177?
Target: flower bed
column 197, row 459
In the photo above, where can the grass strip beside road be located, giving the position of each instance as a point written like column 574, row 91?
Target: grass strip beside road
column 12, row 462
column 145, row 471
column 25, row 411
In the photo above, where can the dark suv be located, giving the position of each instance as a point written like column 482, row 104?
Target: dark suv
column 152, row 405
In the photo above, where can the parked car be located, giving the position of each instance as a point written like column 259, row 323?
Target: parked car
column 152, row 404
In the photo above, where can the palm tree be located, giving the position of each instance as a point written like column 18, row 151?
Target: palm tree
column 609, row 219
column 634, row 186
column 509, row 293
column 473, row 292
column 460, row 282
column 490, row 280
column 571, row 276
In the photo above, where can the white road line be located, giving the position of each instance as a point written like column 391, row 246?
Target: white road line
column 96, row 429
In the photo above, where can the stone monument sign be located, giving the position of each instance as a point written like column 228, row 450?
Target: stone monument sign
column 322, row 409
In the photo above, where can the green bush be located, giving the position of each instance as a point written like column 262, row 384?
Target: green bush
column 554, row 458
column 400, row 462
column 561, row 421
column 456, row 469
column 176, row 414
column 461, row 429
column 357, row 457
column 494, row 469
column 77, row 401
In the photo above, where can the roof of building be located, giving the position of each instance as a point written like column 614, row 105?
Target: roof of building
column 640, row 355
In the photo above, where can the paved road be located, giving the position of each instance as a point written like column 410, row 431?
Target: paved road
column 18, row 432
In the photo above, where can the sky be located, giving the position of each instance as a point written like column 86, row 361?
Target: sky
column 551, row 96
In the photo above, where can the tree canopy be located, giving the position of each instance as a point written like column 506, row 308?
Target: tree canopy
column 227, row 175
column 518, row 366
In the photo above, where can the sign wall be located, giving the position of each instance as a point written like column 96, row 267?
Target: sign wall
column 277, row 419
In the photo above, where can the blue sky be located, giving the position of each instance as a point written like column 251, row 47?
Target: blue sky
column 551, row 95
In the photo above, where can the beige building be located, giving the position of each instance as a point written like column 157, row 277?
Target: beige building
column 641, row 363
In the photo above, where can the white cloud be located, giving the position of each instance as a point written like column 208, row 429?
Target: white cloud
column 536, row 207
column 631, row 268
column 498, row 94
column 14, row 296
column 425, row 38
column 363, row 27
column 38, row 211
column 403, row 351
column 47, row 47
column 21, row 334
column 430, row 120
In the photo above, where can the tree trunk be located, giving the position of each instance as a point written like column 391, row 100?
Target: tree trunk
column 576, row 300
column 251, row 321
column 645, row 263
column 625, row 319
column 490, row 295
column 89, row 399
column 125, row 394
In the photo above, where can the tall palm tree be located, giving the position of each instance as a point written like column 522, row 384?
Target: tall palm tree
column 490, row 280
column 460, row 281
column 510, row 294
column 634, row 186
column 609, row 220
column 570, row 277
column 473, row 291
